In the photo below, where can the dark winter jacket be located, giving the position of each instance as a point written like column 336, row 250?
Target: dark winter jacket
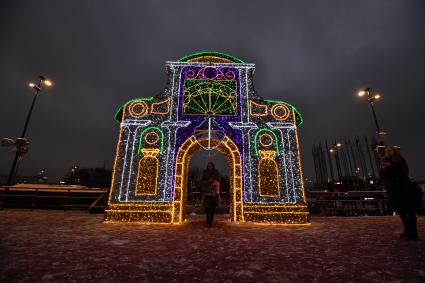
column 396, row 180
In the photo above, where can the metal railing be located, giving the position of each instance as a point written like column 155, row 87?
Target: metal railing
column 45, row 198
column 83, row 199
column 350, row 207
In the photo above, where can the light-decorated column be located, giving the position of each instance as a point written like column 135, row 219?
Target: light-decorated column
column 129, row 165
column 290, row 161
column 169, row 158
column 246, row 129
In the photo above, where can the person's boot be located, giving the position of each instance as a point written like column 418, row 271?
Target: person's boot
column 412, row 235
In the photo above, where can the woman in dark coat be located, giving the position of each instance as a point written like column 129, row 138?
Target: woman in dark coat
column 395, row 176
column 210, row 193
column 210, row 171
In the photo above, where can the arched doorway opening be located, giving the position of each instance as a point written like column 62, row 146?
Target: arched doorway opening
column 197, row 166
column 185, row 153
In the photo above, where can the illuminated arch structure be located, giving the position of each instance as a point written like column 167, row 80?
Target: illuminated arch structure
column 158, row 136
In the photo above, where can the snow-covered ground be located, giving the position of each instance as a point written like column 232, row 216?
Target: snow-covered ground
column 51, row 246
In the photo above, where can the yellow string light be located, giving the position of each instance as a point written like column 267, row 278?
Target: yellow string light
column 266, row 140
column 256, row 109
column 147, row 176
column 138, row 109
column 268, row 174
column 151, row 138
column 161, row 107
column 280, row 112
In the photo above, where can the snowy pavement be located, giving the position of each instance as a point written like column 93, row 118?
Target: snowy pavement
column 52, row 246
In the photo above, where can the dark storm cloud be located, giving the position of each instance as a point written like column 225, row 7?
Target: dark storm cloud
column 313, row 54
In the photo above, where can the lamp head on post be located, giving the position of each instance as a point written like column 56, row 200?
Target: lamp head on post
column 335, row 147
column 370, row 97
column 374, row 97
column 43, row 80
column 34, row 86
column 364, row 91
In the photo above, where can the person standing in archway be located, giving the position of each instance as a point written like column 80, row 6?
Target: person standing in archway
column 395, row 176
column 210, row 192
column 210, row 171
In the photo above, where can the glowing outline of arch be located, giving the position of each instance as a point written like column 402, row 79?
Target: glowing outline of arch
column 237, row 213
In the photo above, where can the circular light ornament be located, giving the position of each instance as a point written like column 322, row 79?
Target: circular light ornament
column 138, row 109
column 266, row 140
column 151, row 138
column 280, row 112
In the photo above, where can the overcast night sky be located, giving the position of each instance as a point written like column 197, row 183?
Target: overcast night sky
column 312, row 54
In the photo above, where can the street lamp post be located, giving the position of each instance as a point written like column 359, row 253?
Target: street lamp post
column 371, row 98
column 334, row 150
column 21, row 146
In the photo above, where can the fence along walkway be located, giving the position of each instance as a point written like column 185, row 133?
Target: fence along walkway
column 95, row 200
column 37, row 196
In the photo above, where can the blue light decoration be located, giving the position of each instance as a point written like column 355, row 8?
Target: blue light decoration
column 209, row 102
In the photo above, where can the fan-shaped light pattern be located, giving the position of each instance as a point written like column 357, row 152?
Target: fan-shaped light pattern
column 207, row 97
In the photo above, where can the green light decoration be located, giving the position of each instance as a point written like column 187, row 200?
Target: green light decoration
column 194, row 56
column 298, row 116
column 142, row 136
column 120, row 111
column 210, row 97
column 276, row 143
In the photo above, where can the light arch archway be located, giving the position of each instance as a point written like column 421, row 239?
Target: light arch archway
column 185, row 153
column 163, row 126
